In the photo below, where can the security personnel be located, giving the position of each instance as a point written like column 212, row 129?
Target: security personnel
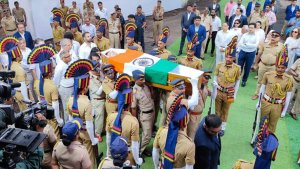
column 80, row 106
column 15, row 57
column 276, row 91
column 161, row 50
column 45, row 87
column 65, row 10
column 77, row 35
column 108, row 87
column 196, row 112
column 57, row 32
column 119, row 154
column 72, row 18
column 97, row 97
column 266, row 59
column 130, row 29
column 123, row 123
column 176, row 153
column 191, row 60
column 143, row 101
column 226, row 83
column 70, row 152
column 8, row 23
column 295, row 72
column 88, row 5
column 101, row 41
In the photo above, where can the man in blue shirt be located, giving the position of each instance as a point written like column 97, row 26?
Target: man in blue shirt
column 200, row 29
column 293, row 23
column 140, row 21
column 22, row 33
column 290, row 12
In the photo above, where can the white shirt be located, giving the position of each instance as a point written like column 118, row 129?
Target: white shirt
column 248, row 42
column 216, row 24
column 25, row 54
column 89, row 28
column 236, row 32
column 75, row 47
column 234, row 9
column 85, row 50
column 59, row 75
column 260, row 33
column 102, row 13
column 188, row 16
column 36, row 68
column 222, row 39
column 74, row 57
column 4, row 60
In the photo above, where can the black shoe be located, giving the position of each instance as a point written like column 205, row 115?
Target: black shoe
column 243, row 84
column 147, row 153
column 222, row 133
column 179, row 53
column 202, row 58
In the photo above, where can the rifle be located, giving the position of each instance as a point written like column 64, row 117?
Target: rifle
column 256, row 121
column 209, row 110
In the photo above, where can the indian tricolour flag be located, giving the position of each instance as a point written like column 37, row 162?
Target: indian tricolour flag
column 156, row 70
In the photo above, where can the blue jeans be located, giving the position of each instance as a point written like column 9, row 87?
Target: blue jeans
column 245, row 61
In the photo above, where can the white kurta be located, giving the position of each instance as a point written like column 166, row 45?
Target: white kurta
column 291, row 43
column 221, row 41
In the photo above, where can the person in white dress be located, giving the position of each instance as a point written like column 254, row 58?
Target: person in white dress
column 292, row 44
column 222, row 39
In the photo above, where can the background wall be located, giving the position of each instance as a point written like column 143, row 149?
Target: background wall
column 39, row 11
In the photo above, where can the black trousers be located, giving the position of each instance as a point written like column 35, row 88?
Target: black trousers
column 183, row 36
column 213, row 44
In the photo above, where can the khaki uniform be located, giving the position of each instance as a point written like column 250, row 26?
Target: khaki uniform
column 78, row 37
column 165, row 54
column 9, row 24
column 296, row 87
column 19, row 14
column 184, row 151
column 110, row 104
column 164, row 96
column 89, row 5
column 48, row 144
column 85, row 113
column 98, row 102
column 276, row 88
column 226, row 78
column 195, row 114
column 268, row 60
column 139, row 47
column 130, row 129
column 158, row 16
column 51, row 95
column 74, row 156
column 254, row 17
column 113, row 28
column 65, row 10
column 103, row 43
column 143, row 101
column 20, row 77
column 264, row 22
column 194, row 63
column 207, row 22
column 75, row 10
column 58, row 34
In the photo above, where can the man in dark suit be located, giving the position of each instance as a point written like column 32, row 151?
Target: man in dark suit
column 208, row 143
column 216, row 6
column 22, row 33
column 186, row 20
column 238, row 15
column 200, row 29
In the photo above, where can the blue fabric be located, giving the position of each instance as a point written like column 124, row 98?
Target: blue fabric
column 245, row 60
column 185, row 22
column 296, row 22
column 122, row 20
column 117, row 123
column 119, row 148
column 75, row 105
column 170, row 147
column 243, row 21
column 249, row 9
column 101, row 29
column 267, row 2
column 137, row 74
column 201, row 37
column 139, row 20
column 131, row 34
column 28, row 38
column 70, row 129
column 288, row 12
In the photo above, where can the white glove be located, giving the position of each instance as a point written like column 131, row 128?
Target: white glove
column 95, row 141
column 24, row 93
column 55, row 106
column 193, row 101
column 261, row 93
column 60, row 122
column 135, row 151
column 99, row 91
column 108, row 139
column 70, row 118
column 113, row 94
column 287, row 102
column 90, row 130
column 236, row 88
column 189, row 166
column 155, row 157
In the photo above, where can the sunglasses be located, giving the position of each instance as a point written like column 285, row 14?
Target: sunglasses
column 236, row 23
column 294, row 31
column 275, row 36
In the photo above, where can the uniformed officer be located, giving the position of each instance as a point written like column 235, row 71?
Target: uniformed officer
column 143, row 101
column 158, row 16
column 177, row 149
column 77, row 35
column 266, row 59
column 15, row 58
column 108, row 88
column 276, row 91
column 101, row 41
column 226, row 83
column 172, row 58
column 72, row 18
column 97, row 97
column 45, row 87
column 161, row 50
column 70, row 152
column 123, row 123
column 191, row 60
column 8, row 23
column 65, row 10
column 88, row 5
column 119, row 154
column 295, row 72
column 58, row 32
column 196, row 112
column 130, row 29
column 80, row 106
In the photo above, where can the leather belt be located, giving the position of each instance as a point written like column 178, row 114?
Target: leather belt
column 157, row 19
column 112, row 101
column 273, row 100
column 223, row 89
column 267, row 64
column 114, row 32
column 195, row 113
column 12, row 30
column 102, row 98
column 147, row 112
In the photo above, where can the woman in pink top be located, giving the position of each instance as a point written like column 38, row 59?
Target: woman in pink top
column 228, row 7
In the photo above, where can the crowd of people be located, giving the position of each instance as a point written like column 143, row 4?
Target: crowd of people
column 91, row 99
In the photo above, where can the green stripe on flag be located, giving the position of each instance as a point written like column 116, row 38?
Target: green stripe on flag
column 158, row 73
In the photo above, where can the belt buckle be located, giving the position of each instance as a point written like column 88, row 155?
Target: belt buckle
column 273, row 101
